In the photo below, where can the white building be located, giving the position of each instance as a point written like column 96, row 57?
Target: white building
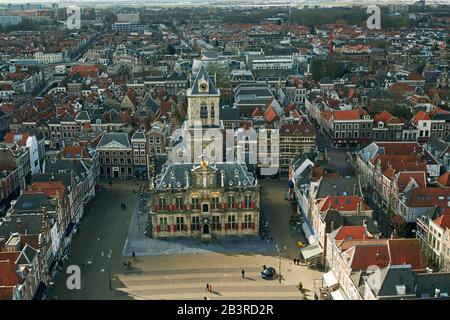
column 272, row 64
column 47, row 58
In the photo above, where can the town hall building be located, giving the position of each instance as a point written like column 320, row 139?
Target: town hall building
column 202, row 199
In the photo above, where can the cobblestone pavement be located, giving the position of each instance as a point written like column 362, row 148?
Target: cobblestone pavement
column 185, row 277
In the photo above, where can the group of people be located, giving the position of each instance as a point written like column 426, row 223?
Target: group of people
column 297, row 261
column 208, row 288
column 123, row 205
column 127, row 264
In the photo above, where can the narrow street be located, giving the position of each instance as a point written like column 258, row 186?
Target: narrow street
column 278, row 212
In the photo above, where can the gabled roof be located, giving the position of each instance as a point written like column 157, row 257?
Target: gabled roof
column 114, row 139
column 421, row 115
column 390, row 281
column 203, row 75
column 443, row 221
column 138, row 135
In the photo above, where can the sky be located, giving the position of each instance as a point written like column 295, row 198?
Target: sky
column 204, row 1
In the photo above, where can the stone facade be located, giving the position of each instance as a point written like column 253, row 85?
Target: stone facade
column 204, row 201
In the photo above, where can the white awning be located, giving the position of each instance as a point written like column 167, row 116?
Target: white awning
column 329, row 279
column 311, row 251
column 338, row 295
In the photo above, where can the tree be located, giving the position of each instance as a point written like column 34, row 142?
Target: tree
column 170, row 49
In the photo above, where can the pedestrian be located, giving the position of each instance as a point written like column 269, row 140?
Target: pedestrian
column 243, row 273
column 295, row 261
column 316, row 297
column 207, row 287
column 264, row 267
column 134, row 255
column 210, row 288
column 205, row 298
column 124, row 264
column 129, row 264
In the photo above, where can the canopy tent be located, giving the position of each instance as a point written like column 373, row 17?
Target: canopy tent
column 329, row 279
column 309, row 233
column 311, row 251
column 338, row 295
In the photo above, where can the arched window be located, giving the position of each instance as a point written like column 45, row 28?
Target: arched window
column 203, row 111
column 213, row 115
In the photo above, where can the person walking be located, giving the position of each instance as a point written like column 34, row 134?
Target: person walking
column 243, row 273
column 134, row 255
column 210, row 288
column 295, row 261
column 207, row 287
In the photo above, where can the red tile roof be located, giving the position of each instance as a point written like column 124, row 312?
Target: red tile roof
column 257, row 112
column 421, row 115
column 19, row 138
column 429, row 197
column 363, row 256
column 401, row 87
column 270, row 114
column 8, row 274
column 443, row 221
column 75, row 152
column 343, row 203
column 50, row 188
column 444, row 180
column 302, row 129
column 347, row 114
column 6, row 292
column 405, row 177
column 351, row 232
column 406, row 251
column 383, row 116
column 399, row 148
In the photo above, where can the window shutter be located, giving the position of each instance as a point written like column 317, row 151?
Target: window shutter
column 242, row 226
column 243, row 205
column 224, row 205
column 158, row 228
column 185, row 227
column 226, row 226
column 253, row 205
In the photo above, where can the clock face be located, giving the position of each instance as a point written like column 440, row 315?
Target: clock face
column 203, row 86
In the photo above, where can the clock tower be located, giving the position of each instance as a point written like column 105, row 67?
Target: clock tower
column 203, row 102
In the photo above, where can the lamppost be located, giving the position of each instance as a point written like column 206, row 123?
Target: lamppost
column 279, row 257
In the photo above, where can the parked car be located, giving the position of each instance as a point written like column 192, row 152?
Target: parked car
column 268, row 273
